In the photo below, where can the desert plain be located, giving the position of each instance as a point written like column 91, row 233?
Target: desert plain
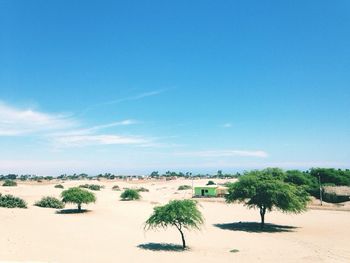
column 113, row 230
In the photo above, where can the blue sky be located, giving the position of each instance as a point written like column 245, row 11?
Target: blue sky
column 136, row 86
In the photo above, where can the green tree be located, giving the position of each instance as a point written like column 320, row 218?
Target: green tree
column 78, row 196
column 154, row 174
column 331, row 176
column 182, row 214
column 305, row 180
column 266, row 190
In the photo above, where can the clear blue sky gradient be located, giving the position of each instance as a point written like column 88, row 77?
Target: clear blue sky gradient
column 204, row 85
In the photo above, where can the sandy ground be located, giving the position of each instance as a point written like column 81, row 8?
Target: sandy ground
column 113, row 231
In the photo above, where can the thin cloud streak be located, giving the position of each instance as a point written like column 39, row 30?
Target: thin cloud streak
column 100, row 139
column 114, row 124
column 136, row 97
column 225, row 153
column 95, row 129
column 131, row 98
column 92, row 137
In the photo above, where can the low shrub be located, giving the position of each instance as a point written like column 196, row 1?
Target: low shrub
column 116, row 188
column 93, row 187
column 10, row 201
column 9, row 183
column 184, row 187
column 142, row 189
column 59, row 186
column 334, row 198
column 50, row 202
column 130, row 194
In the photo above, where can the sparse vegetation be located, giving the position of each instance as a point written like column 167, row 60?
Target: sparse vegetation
column 182, row 214
column 50, row 202
column 184, row 187
column 93, row 187
column 9, row 183
column 116, row 188
column 59, row 186
column 10, row 201
column 78, row 196
column 142, row 189
column 130, row 194
column 328, row 176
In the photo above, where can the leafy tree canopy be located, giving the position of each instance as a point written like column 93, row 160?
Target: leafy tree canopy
column 78, row 196
column 332, row 176
column 266, row 190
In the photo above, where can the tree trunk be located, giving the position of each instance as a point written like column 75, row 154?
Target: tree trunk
column 262, row 215
column 183, row 240
column 182, row 236
column 79, row 208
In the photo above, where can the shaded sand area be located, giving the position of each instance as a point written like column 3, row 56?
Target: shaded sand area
column 112, row 231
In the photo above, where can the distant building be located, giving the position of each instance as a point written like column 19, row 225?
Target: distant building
column 210, row 191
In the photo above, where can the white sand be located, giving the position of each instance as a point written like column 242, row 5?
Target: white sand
column 113, row 229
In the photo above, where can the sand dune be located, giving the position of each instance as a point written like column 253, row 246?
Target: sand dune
column 112, row 231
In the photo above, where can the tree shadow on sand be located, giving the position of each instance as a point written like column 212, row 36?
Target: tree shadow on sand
column 161, row 247
column 72, row 211
column 254, row 227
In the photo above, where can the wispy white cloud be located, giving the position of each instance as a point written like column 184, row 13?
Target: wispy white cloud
column 117, row 123
column 135, row 97
column 95, row 136
column 120, row 100
column 113, row 124
column 227, row 125
column 94, row 129
column 154, row 143
column 15, row 122
column 98, row 139
column 225, row 153
column 61, row 130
